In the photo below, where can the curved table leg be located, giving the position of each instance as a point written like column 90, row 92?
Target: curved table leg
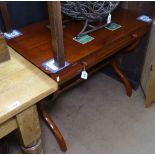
column 53, row 127
column 115, row 65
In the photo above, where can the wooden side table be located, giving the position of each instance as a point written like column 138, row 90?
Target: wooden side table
column 22, row 86
column 35, row 46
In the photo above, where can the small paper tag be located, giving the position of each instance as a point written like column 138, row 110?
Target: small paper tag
column 13, row 34
column 83, row 39
column 51, row 65
column 58, row 78
column 113, row 26
column 109, row 19
column 84, row 75
column 14, row 105
column 144, row 18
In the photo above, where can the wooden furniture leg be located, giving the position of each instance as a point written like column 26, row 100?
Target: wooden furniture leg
column 29, row 131
column 148, row 103
column 5, row 16
column 115, row 64
column 52, row 126
column 54, row 11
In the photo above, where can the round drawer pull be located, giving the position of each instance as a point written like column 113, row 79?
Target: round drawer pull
column 134, row 35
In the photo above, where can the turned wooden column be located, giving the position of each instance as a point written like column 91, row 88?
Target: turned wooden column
column 6, row 17
column 54, row 10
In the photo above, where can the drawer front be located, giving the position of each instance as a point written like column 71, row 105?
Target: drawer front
column 113, row 48
column 108, row 50
column 7, row 127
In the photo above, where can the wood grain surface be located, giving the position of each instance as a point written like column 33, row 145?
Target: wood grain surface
column 7, row 127
column 148, row 75
column 29, row 126
column 54, row 11
column 22, row 82
column 35, row 44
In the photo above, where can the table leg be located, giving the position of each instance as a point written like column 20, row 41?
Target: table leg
column 52, row 126
column 29, row 130
column 116, row 65
column 148, row 103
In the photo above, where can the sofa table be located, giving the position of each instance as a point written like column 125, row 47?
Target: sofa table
column 148, row 75
column 22, row 86
column 106, row 48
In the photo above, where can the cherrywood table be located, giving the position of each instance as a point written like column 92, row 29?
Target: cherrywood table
column 22, row 86
column 35, row 45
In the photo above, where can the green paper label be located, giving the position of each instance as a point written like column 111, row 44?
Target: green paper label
column 113, row 26
column 83, row 39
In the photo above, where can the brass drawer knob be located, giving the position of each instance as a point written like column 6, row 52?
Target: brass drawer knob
column 134, row 35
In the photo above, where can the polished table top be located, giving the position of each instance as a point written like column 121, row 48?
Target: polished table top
column 21, row 85
column 35, row 43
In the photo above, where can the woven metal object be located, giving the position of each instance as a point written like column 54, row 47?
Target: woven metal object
column 89, row 12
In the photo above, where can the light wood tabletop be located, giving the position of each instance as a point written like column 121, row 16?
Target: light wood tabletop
column 22, row 85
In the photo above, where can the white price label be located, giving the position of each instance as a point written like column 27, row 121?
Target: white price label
column 109, row 19
column 14, row 105
column 58, row 78
column 84, row 75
